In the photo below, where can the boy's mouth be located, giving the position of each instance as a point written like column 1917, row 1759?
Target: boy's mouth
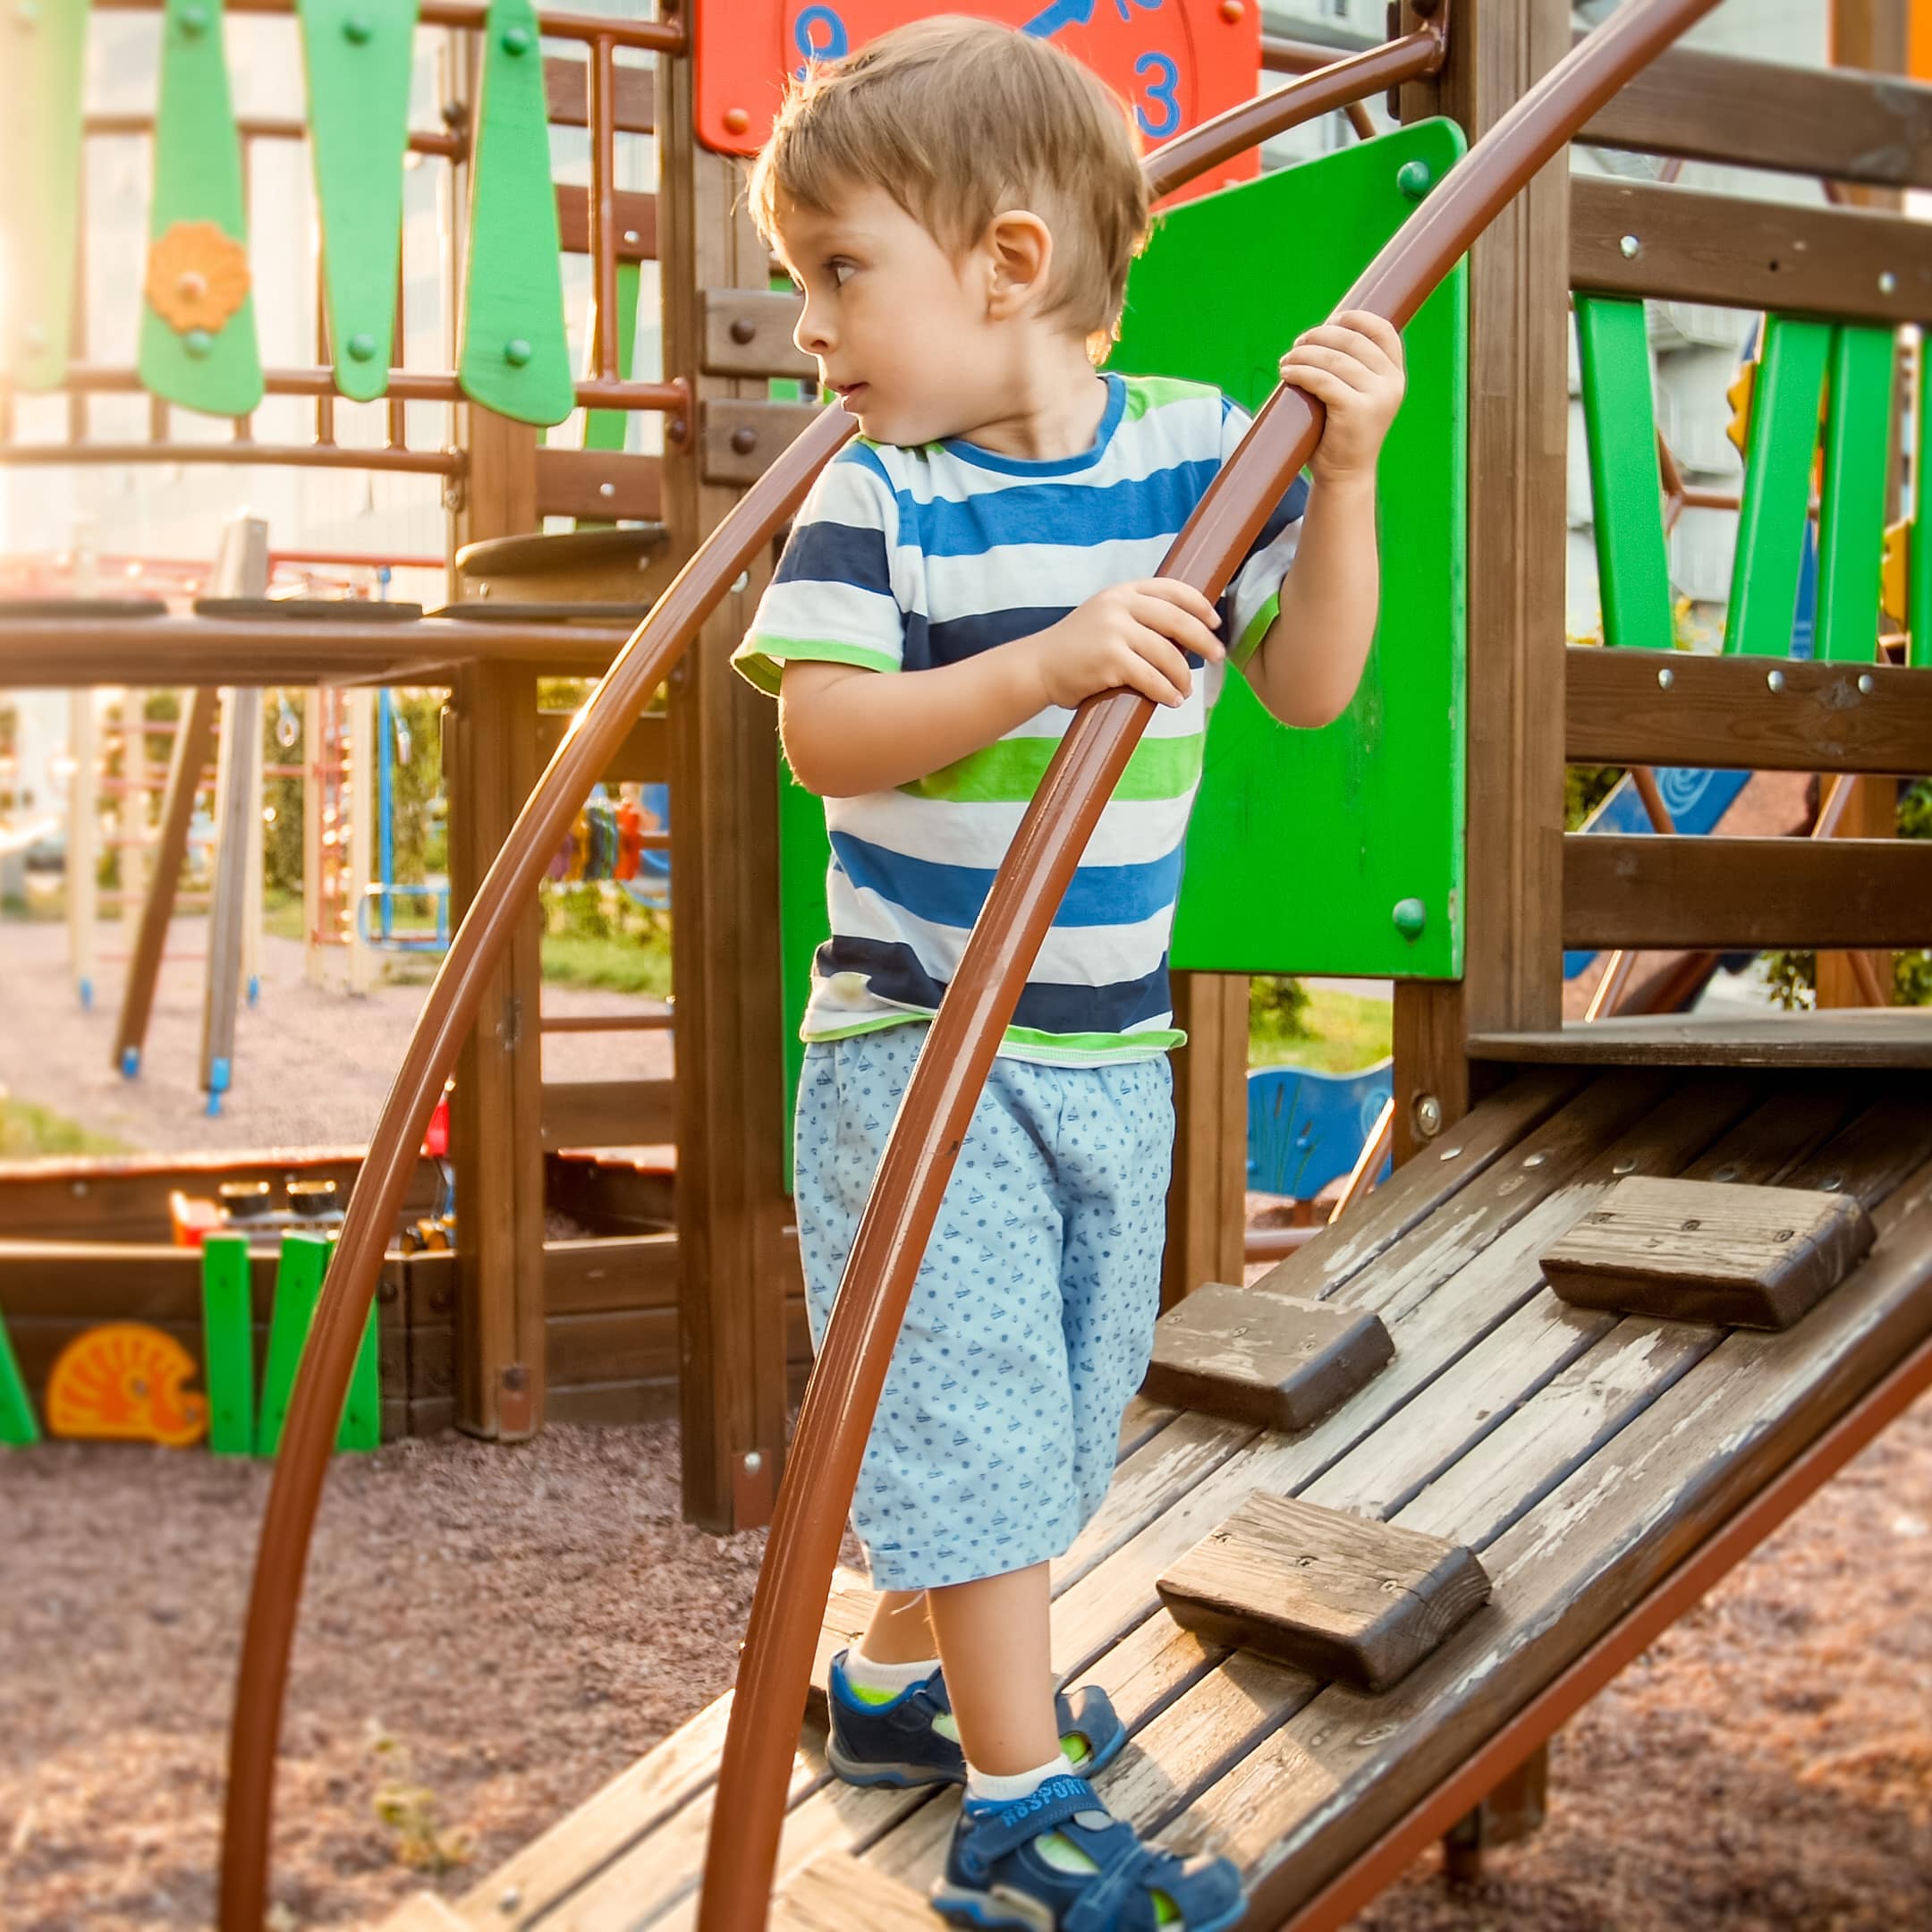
column 850, row 394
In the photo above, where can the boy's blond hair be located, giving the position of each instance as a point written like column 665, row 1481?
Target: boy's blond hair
column 958, row 119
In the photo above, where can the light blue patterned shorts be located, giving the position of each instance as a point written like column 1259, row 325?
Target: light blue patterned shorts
column 1032, row 1315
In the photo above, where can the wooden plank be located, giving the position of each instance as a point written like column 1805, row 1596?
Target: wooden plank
column 1791, row 257
column 599, row 483
column 1720, row 711
column 644, row 758
column 624, row 1113
column 1324, row 1591
column 1710, row 1251
column 739, row 440
column 567, row 96
column 836, row 1892
column 194, row 745
column 1872, row 1040
column 622, row 1271
column 1517, row 432
column 1744, row 894
column 730, row 1088
column 1207, row 1184
column 633, row 227
column 1253, row 1356
column 424, row 1912
column 747, row 331
column 1699, row 107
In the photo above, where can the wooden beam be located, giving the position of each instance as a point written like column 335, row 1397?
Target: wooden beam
column 633, row 228
column 1781, row 255
column 1730, row 895
column 1874, row 1042
column 605, row 484
column 567, row 96
column 733, row 1389
column 1677, row 708
column 620, row 1113
column 644, row 758
column 1206, row 1193
column 1699, row 106
column 1517, row 433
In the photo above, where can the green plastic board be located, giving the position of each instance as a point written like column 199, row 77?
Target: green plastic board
column 18, row 1428
column 228, row 1332
column 605, row 429
column 1337, row 850
column 298, row 1285
column 40, row 108
column 1775, row 509
column 358, row 58
column 1620, row 412
column 1852, row 504
column 361, row 1417
column 197, row 180
column 515, row 354
column 1305, row 847
column 1919, row 542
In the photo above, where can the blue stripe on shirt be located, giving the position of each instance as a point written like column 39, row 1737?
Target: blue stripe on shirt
column 1077, row 515
column 954, row 895
column 836, row 553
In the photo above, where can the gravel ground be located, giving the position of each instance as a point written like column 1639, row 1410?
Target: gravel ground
column 312, row 1064
column 520, row 1625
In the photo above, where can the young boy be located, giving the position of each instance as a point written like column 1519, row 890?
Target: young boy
column 959, row 204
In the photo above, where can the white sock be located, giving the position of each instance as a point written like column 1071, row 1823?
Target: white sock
column 984, row 1788
column 884, row 1680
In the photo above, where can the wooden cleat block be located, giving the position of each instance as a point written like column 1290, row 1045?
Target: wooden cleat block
column 1710, row 1252
column 836, row 1893
column 1335, row 1594
column 1253, row 1356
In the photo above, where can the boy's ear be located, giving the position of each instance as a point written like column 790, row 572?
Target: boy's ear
column 1019, row 252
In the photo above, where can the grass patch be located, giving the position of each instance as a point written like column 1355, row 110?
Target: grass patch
column 1340, row 1033
column 640, row 963
column 29, row 1132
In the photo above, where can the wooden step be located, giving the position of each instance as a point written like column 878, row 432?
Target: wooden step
column 1252, row 1355
column 1710, row 1252
column 837, row 1893
column 1342, row 1597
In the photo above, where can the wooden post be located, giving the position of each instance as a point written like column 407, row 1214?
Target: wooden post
column 315, row 749
column 724, row 922
column 496, row 1125
column 83, row 843
column 132, row 818
column 1518, row 422
column 1208, row 1196
column 363, row 752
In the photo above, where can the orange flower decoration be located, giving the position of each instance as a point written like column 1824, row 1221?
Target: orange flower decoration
column 196, row 277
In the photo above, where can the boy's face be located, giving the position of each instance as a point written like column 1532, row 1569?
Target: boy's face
column 901, row 330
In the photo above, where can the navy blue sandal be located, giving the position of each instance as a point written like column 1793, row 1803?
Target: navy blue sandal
column 905, row 1743
column 998, row 1879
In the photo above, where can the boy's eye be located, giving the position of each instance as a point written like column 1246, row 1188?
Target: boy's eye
column 840, row 270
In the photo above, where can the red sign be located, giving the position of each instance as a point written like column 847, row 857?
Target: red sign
column 1174, row 62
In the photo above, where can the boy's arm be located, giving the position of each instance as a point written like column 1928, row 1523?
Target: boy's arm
column 1310, row 659
column 848, row 729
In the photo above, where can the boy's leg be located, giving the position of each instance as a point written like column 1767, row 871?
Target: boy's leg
column 995, row 1641
column 900, row 1631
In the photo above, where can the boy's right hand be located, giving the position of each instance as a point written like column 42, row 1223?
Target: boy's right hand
column 1132, row 636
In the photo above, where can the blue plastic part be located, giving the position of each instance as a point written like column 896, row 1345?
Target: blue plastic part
column 254, row 989
column 129, row 1062
column 1306, row 1128
column 219, row 1077
column 86, row 991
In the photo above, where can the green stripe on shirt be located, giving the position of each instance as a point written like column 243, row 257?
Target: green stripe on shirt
column 1009, row 772
column 762, row 658
column 1145, row 392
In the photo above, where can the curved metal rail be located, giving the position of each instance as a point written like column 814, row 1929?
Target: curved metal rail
column 481, row 938
column 843, row 1395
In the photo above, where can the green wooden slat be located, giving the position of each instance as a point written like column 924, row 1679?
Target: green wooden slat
column 605, row 428
column 1919, row 547
column 358, row 58
column 298, row 1285
column 1777, row 488
column 40, row 81
column 1852, row 505
column 17, row 1428
column 198, row 178
column 516, row 353
column 227, row 1333
column 1620, row 411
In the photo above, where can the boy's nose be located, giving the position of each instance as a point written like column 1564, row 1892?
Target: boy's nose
column 812, row 335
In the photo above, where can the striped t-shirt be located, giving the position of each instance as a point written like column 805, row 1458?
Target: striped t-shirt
column 904, row 559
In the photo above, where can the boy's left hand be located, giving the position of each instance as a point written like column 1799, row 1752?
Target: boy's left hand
column 1353, row 368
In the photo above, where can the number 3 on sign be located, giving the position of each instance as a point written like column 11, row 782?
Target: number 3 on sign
column 1158, row 77
column 819, row 34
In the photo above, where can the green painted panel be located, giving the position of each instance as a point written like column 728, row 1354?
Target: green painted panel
column 298, row 1286
column 40, row 106
column 360, row 1427
column 1918, row 550
column 1620, row 412
column 227, row 1335
column 17, row 1428
column 516, row 353
column 1305, row 843
column 1852, row 505
column 358, row 57
column 1777, row 488
column 213, row 366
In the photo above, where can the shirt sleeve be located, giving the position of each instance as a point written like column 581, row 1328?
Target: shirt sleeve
column 1252, row 600
column 831, row 599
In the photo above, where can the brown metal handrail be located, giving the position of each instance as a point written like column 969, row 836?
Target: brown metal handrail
column 480, row 939
column 748, row 1811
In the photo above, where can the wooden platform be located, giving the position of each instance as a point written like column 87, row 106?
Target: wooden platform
column 1858, row 1036
column 1582, row 1454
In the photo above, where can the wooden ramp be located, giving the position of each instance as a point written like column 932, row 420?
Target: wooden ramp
column 1583, row 1455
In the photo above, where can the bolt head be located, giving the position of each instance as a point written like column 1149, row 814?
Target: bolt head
column 512, row 1898
column 361, row 346
column 1867, row 683
column 1628, row 1165
column 1414, row 179
column 193, row 20
column 1232, row 11
column 1410, row 917
column 1665, row 677
column 736, row 120
column 1831, row 1183
column 744, row 439
column 606, row 489
column 1887, row 283
column 1773, row 680
column 1535, row 1160
column 743, row 329
column 359, row 29
column 753, row 1462
column 632, row 238
column 516, row 351
column 1427, row 1113
column 1630, row 248
column 516, row 40
column 198, row 342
